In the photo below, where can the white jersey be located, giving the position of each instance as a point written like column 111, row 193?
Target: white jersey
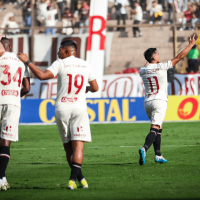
column 73, row 76
column 11, row 74
column 124, row 3
column 50, row 18
column 154, row 77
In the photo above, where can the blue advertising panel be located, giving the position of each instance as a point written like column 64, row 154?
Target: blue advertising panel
column 100, row 110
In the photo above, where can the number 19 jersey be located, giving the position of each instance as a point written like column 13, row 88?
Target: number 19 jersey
column 73, row 76
column 154, row 77
column 11, row 74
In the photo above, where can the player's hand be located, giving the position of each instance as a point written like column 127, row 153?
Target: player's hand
column 23, row 57
column 87, row 89
column 192, row 40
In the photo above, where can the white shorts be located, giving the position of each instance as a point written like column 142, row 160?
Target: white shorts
column 73, row 125
column 156, row 110
column 9, row 122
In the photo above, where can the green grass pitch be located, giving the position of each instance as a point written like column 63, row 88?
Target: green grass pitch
column 38, row 168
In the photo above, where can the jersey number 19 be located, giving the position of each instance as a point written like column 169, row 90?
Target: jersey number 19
column 78, row 86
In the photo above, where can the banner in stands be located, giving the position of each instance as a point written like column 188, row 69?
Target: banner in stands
column 122, row 85
column 47, row 46
column 113, row 110
column 100, row 110
column 183, row 108
column 185, row 85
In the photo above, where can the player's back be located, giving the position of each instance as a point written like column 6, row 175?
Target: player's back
column 73, row 77
column 11, row 75
column 154, row 77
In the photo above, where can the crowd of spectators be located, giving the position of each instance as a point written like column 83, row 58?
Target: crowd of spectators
column 76, row 12
column 155, row 9
column 48, row 13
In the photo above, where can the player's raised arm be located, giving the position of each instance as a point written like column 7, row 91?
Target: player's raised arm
column 183, row 53
column 42, row 75
column 93, row 86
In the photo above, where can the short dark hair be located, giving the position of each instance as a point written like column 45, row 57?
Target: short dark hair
column 68, row 43
column 149, row 53
column 4, row 38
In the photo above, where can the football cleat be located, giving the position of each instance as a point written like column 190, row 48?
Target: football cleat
column 142, row 156
column 4, row 180
column 7, row 185
column 160, row 159
column 3, row 187
column 83, row 183
column 71, row 185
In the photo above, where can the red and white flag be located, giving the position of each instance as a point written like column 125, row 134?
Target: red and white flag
column 96, row 40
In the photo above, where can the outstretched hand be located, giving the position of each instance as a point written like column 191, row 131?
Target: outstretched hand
column 23, row 57
column 192, row 40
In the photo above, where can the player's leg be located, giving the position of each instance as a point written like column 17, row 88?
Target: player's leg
column 9, row 132
column 148, row 142
column 69, row 156
column 157, row 143
column 77, row 159
column 4, row 159
column 151, row 110
column 80, row 133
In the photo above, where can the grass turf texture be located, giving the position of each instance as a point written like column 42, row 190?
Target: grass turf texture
column 38, row 168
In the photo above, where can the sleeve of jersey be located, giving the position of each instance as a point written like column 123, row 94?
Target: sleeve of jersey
column 167, row 65
column 26, row 73
column 55, row 67
column 91, row 75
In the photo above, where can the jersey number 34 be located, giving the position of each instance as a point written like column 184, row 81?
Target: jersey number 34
column 18, row 72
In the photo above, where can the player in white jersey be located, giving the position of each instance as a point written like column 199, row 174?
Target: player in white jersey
column 154, row 76
column 12, row 77
column 70, row 108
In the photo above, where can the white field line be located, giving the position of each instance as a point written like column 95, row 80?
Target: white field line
column 105, row 147
column 113, row 122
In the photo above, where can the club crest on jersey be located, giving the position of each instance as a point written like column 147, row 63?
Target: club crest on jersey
column 10, row 92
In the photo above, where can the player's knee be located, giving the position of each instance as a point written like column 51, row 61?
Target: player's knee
column 154, row 130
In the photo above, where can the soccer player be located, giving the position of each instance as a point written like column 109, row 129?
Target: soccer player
column 12, row 73
column 154, row 76
column 70, row 108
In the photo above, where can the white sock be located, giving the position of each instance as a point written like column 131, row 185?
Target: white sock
column 4, row 180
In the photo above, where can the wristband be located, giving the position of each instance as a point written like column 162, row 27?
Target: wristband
column 26, row 63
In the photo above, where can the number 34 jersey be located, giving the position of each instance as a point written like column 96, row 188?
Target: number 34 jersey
column 73, row 76
column 154, row 77
column 11, row 74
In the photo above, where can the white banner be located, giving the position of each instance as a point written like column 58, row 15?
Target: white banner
column 119, row 85
column 123, row 85
column 96, row 40
column 185, row 85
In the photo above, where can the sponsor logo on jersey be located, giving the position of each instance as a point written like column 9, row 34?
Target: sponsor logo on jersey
column 152, row 71
column 79, row 135
column 10, row 92
column 75, row 66
column 7, row 134
column 66, row 99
